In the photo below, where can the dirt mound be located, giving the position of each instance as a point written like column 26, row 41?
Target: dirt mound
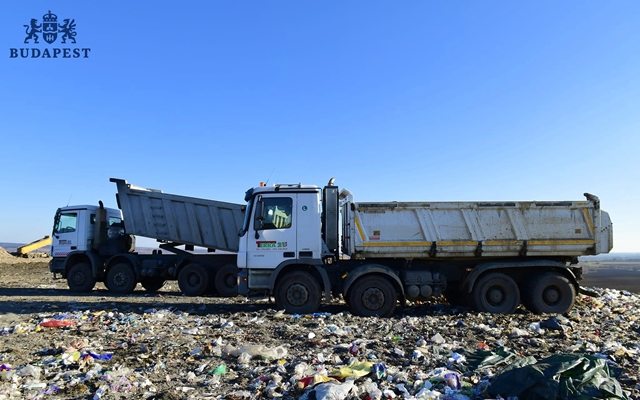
column 5, row 255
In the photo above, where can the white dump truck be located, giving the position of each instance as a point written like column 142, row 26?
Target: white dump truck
column 96, row 244
column 300, row 243
column 491, row 256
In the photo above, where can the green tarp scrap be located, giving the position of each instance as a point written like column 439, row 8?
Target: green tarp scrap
column 561, row 376
column 478, row 360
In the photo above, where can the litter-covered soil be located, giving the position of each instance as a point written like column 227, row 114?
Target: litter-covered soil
column 56, row 344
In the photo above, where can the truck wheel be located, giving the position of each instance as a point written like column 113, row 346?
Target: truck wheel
column 226, row 282
column 496, row 293
column 298, row 292
column 194, row 280
column 152, row 283
column 549, row 293
column 121, row 278
column 371, row 296
column 80, row 278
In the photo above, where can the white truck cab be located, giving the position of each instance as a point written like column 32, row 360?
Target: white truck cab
column 282, row 227
column 74, row 228
column 282, row 223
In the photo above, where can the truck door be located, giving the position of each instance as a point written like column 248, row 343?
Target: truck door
column 272, row 237
column 66, row 232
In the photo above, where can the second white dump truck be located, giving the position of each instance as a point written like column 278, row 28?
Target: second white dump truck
column 300, row 243
column 96, row 244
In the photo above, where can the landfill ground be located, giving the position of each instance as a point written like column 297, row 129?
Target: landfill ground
column 57, row 344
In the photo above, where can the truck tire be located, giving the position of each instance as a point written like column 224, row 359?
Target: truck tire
column 549, row 293
column 298, row 292
column 121, row 279
column 194, row 280
column 496, row 293
column 152, row 283
column 372, row 296
column 226, row 282
column 80, row 278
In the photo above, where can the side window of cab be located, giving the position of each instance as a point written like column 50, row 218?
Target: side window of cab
column 68, row 223
column 274, row 213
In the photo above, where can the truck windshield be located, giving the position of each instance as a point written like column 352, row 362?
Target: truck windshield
column 114, row 221
column 247, row 215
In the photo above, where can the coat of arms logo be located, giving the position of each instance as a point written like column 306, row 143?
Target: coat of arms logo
column 50, row 29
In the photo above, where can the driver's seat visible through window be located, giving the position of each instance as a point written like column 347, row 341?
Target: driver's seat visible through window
column 281, row 219
column 277, row 213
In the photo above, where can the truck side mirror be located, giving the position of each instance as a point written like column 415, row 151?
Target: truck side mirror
column 56, row 220
column 259, row 217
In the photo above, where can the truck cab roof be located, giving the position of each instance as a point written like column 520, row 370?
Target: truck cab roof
column 281, row 187
column 80, row 207
column 88, row 207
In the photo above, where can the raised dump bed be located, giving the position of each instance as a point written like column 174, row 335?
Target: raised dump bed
column 179, row 219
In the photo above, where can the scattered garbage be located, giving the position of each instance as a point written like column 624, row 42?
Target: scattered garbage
column 435, row 352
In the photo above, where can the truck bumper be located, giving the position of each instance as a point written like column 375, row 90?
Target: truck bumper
column 56, row 266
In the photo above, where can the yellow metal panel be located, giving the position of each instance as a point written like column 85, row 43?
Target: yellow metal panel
column 504, row 243
column 469, row 243
column 395, row 244
column 586, row 213
column 461, row 243
column 560, row 242
column 34, row 245
column 359, row 228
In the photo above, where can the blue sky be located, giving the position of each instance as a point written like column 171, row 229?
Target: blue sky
column 413, row 100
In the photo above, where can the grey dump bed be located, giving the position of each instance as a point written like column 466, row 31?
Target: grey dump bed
column 477, row 229
column 172, row 218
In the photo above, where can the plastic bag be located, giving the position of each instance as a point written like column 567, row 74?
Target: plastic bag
column 355, row 370
column 57, row 323
column 333, row 391
column 258, row 350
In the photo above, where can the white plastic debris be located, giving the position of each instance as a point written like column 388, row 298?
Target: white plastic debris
column 333, row 391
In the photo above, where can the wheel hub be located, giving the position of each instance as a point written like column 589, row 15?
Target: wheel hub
column 78, row 279
column 230, row 280
column 193, row 280
column 297, row 295
column 120, row 279
column 373, row 298
column 495, row 296
column 551, row 295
